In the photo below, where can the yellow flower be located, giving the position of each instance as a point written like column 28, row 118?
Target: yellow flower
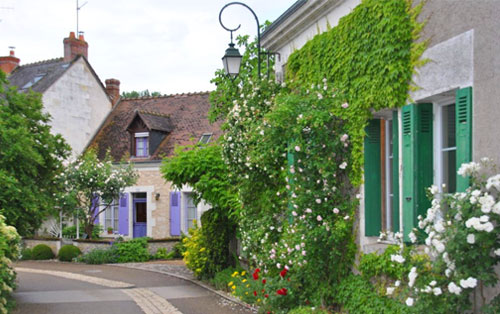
column 230, row 284
column 233, row 287
column 202, row 249
column 246, row 293
column 258, row 300
column 235, row 274
column 243, row 273
column 244, row 280
column 248, row 286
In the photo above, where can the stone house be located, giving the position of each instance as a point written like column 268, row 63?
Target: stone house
column 143, row 131
column 72, row 93
column 452, row 120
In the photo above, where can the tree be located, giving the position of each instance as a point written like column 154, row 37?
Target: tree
column 144, row 93
column 30, row 159
column 91, row 186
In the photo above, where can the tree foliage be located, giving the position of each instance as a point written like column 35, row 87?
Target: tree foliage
column 30, row 158
column 144, row 93
column 202, row 167
column 91, row 186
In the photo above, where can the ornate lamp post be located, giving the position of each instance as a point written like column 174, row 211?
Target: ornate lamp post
column 232, row 58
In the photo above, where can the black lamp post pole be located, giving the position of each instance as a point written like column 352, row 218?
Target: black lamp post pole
column 232, row 30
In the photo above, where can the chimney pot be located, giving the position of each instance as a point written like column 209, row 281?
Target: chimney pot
column 113, row 90
column 74, row 47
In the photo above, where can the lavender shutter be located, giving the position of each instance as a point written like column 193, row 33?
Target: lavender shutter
column 175, row 213
column 123, row 214
column 95, row 209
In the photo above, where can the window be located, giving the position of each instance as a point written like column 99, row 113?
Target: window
column 190, row 211
column 205, row 138
column 446, row 147
column 111, row 217
column 142, row 144
column 381, row 176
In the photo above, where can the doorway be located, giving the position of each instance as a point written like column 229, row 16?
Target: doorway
column 140, row 215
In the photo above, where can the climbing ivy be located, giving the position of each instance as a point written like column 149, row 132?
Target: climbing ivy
column 369, row 59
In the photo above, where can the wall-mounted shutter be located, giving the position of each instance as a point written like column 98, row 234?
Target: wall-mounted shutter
column 95, row 209
column 123, row 214
column 463, row 120
column 417, row 162
column 372, row 184
column 395, row 172
column 175, row 213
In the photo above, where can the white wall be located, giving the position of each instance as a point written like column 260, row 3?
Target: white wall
column 78, row 105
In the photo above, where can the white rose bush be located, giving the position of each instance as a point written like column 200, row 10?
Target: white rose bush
column 461, row 244
column 9, row 249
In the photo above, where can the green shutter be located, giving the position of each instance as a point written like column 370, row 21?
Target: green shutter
column 372, row 184
column 395, row 172
column 417, row 162
column 463, row 122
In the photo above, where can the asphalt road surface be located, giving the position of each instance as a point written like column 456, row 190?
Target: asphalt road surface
column 69, row 288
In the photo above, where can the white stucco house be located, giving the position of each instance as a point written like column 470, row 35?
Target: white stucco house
column 72, row 93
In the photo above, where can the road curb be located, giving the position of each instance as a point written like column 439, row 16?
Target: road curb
column 194, row 281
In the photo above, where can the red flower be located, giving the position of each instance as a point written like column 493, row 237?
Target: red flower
column 256, row 273
column 255, row 293
column 283, row 273
column 263, row 281
column 282, row 291
column 266, row 295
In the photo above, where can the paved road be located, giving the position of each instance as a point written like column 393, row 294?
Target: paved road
column 69, row 288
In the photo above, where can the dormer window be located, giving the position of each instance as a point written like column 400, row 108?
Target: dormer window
column 142, row 144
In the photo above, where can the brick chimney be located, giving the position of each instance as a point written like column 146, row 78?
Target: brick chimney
column 9, row 63
column 113, row 90
column 75, row 46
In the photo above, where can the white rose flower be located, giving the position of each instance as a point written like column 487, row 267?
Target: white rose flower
column 412, row 276
column 471, row 238
column 390, row 290
column 336, row 210
column 453, row 288
column 343, row 165
column 409, row 301
column 437, row 291
column 397, row 283
column 397, row 258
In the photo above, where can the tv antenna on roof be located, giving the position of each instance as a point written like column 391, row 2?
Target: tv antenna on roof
column 78, row 7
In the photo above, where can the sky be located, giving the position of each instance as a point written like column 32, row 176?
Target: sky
column 169, row 46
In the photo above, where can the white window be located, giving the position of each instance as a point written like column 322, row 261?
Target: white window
column 111, row 217
column 142, row 144
column 190, row 210
column 445, row 149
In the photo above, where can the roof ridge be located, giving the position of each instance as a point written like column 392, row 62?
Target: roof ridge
column 153, row 113
column 43, row 62
column 167, row 95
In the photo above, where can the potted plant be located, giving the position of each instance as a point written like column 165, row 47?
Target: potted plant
column 110, row 230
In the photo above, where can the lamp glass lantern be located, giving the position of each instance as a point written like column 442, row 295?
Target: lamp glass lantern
column 232, row 61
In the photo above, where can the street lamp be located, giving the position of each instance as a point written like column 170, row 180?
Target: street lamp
column 232, row 58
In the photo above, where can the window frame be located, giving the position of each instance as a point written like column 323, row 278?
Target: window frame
column 144, row 138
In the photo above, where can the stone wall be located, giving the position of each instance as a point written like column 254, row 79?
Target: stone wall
column 54, row 244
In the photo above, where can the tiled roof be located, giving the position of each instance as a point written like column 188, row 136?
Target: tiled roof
column 183, row 116
column 39, row 75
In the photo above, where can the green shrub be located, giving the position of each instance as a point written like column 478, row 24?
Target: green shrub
column 218, row 231
column 26, row 254
column 68, row 252
column 99, row 256
column 161, row 253
column 307, row 310
column 70, row 232
column 42, row 252
column 179, row 248
column 196, row 255
column 223, row 277
column 135, row 250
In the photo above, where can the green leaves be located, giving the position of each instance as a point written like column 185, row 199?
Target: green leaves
column 30, row 158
